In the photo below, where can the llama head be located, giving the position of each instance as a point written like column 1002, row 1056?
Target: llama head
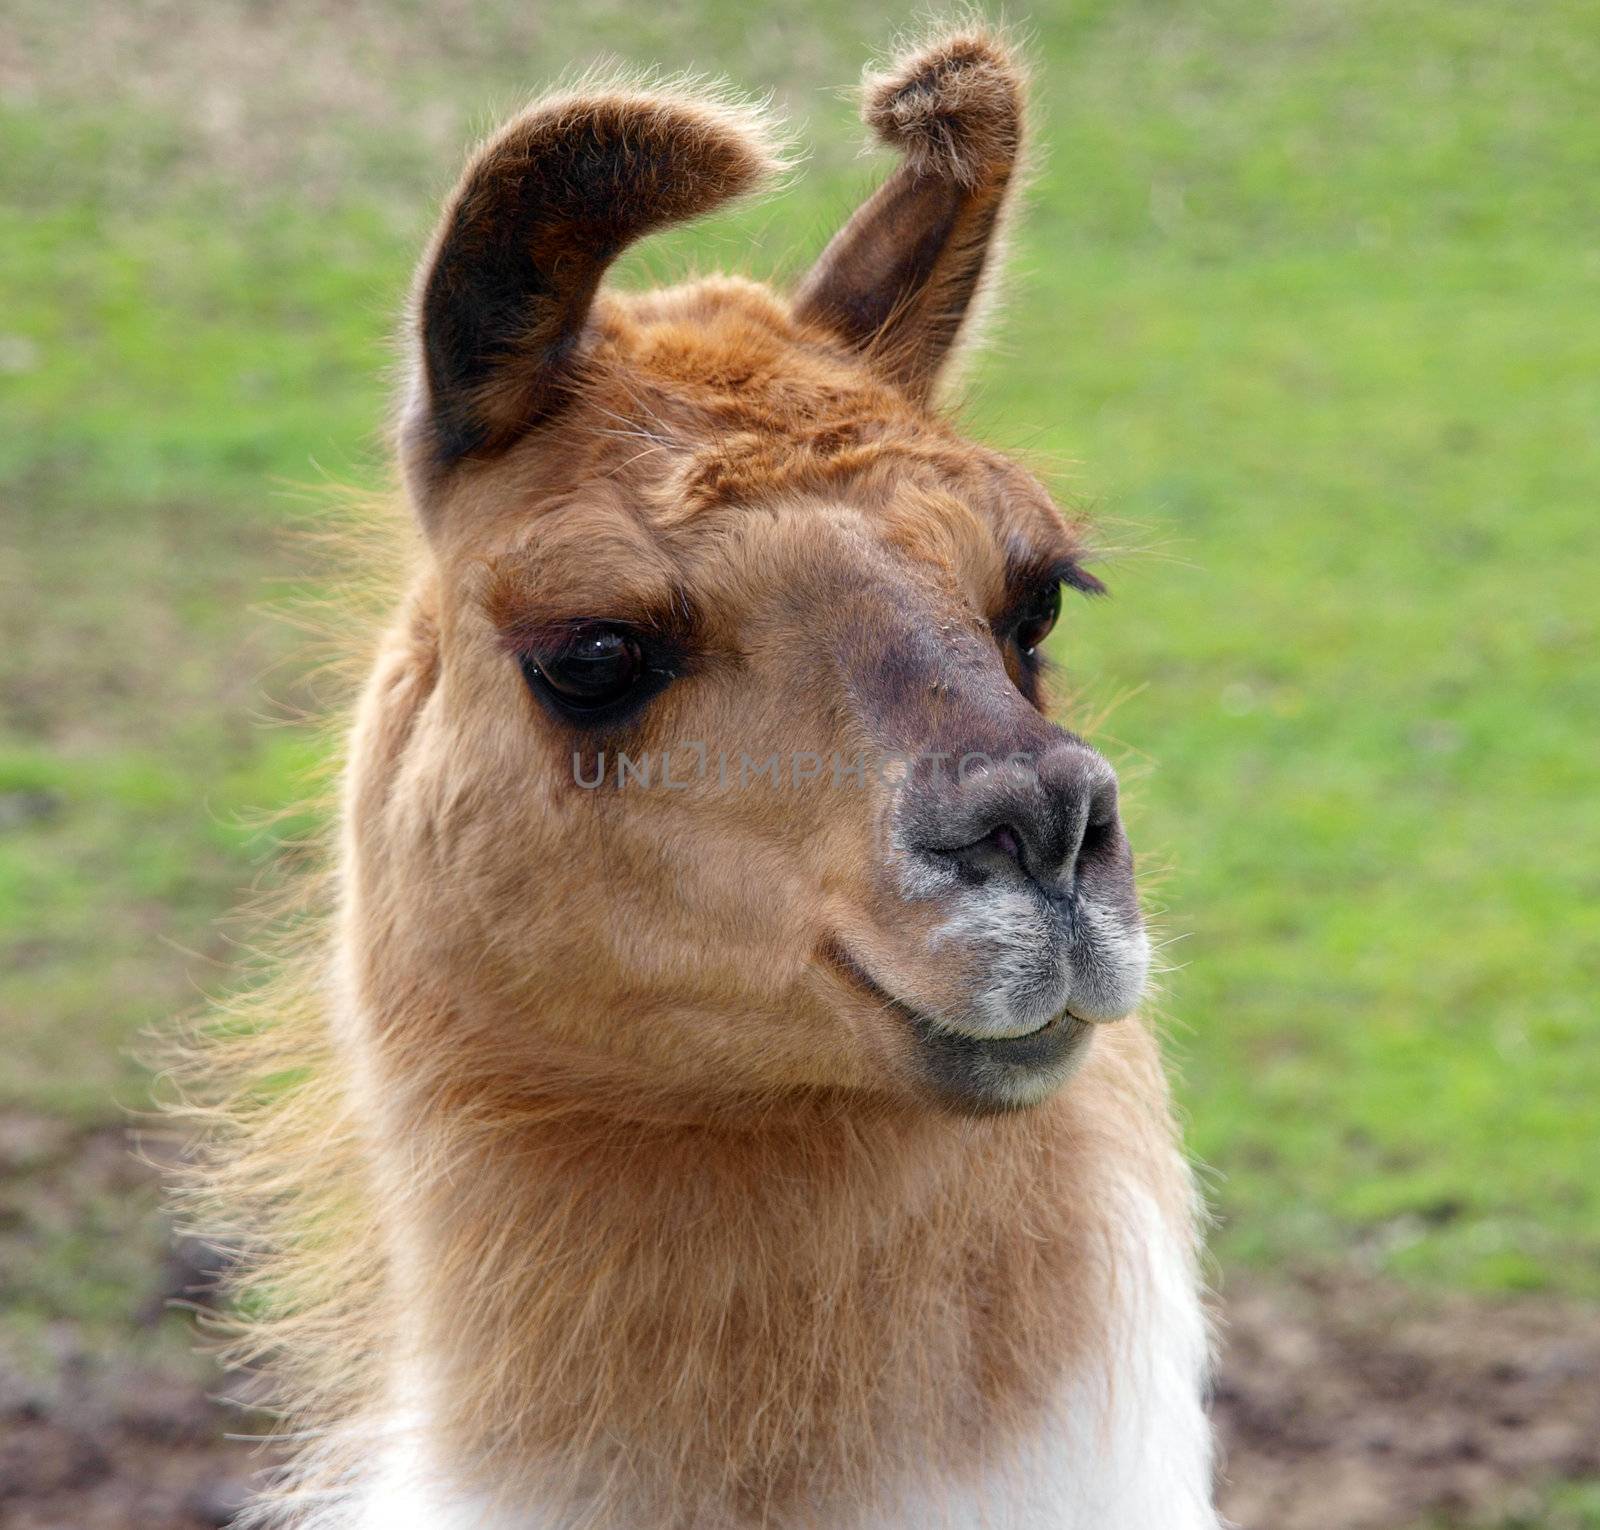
column 709, row 759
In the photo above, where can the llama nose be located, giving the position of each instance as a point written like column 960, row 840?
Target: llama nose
column 1044, row 815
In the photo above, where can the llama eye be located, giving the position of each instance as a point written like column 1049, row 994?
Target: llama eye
column 597, row 668
column 1038, row 618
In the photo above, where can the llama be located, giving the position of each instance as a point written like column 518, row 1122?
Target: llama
column 643, row 1142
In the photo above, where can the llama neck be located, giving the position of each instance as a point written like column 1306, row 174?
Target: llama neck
column 654, row 1316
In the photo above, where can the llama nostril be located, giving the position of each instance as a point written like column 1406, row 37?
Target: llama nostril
column 1047, row 824
column 1098, row 833
column 1002, row 849
column 1006, row 841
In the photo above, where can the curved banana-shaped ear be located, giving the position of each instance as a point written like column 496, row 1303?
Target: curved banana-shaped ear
column 543, row 208
column 904, row 274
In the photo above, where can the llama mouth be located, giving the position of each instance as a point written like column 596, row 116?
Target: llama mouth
column 978, row 1074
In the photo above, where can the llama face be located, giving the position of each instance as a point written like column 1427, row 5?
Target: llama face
column 720, row 767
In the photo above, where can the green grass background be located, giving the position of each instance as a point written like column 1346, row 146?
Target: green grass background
column 1307, row 310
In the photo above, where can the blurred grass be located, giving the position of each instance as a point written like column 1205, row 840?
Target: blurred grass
column 1308, row 309
column 1561, row 1507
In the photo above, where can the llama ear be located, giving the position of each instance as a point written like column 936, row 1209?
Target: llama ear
column 906, row 271
column 543, row 208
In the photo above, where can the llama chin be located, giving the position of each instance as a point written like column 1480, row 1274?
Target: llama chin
column 630, row 1150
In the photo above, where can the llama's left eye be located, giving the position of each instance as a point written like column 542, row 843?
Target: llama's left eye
column 1038, row 618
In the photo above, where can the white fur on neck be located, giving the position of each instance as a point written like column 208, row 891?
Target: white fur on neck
column 1129, row 1450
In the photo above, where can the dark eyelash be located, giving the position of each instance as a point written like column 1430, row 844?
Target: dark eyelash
column 1027, row 582
column 1076, row 577
column 669, row 626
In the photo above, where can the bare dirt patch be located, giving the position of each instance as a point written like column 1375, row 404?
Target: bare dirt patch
column 148, row 1454
column 1352, row 1405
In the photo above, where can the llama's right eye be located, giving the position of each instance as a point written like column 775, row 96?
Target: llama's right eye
column 597, row 667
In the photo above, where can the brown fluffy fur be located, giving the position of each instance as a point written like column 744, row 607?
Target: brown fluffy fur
column 557, row 1094
column 953, row 108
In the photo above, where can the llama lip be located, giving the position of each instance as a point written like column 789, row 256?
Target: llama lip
column 839, row 957
column 978, row 1075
